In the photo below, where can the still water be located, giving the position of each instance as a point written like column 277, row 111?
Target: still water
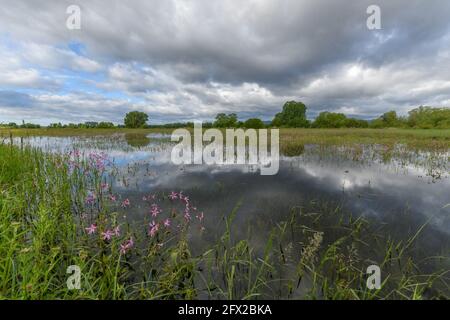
column 402, row 191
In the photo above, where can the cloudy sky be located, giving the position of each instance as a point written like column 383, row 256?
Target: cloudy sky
column 183, row 60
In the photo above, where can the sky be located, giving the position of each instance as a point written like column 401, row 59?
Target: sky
column 183, row 60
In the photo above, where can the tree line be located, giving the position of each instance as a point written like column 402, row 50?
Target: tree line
column 292, row 115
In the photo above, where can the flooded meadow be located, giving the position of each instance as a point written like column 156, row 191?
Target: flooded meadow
column 225, row 231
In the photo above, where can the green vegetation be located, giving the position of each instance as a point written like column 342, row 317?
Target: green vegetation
column 337, row 120
column 225, row 120
column 293, row 115
column 414, row 139
column 317, row 252
column 427, row 118
column 253, row 123
column 135, row 119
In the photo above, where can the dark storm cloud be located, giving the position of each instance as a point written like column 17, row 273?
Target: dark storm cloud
column 196, row 58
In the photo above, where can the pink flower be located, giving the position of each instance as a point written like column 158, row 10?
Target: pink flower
column 167, row 223
column 104, row 186
column 154, row 227
column 185, row 200
column 155, row 210
column 90, row 198
column 112, row 197
column 126, row 203
column 91, row 229
column 149, row 197
column 200, row 216
column 173, row 195
column 127, row 245
column 187, row 215
column 107, row 235
column 116, row 231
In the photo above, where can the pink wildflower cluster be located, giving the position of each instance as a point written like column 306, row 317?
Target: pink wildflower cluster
column 125, row 203
column 149, row 197
column 155, row 210
column 127, row 245
column 159, row 223
column 98, row 160
column 107, row 234
column 154, row 227
column 74, row 159
column 90, row 198
column 91, row 229
column 188, row 211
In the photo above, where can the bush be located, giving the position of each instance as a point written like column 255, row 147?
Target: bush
column 293, row 115
column 253, row 123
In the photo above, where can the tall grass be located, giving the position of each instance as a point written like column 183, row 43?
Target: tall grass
column 318, row 254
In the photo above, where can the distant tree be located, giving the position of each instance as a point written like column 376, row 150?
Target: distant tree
column 390, row 119
column 428, row 117
column 253, row 123
column 226, row 120
column 330, row 120
column 55, row 125
column 105, row 125
column 292, row 115
column 29, row 125
column 356, row 123
column 135, row 119
column 387, row 120
column 90, row 124
column 13, row 125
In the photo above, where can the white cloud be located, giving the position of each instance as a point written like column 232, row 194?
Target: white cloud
column 192, row 59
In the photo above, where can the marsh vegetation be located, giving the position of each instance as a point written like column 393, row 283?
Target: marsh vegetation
column 141, row 228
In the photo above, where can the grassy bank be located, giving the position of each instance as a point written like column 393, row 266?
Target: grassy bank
column 419, row 138
column 58, row 210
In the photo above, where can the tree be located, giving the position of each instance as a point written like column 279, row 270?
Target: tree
column 91, row 124
column 330, row 120
column 390, row 119
column 253, row 123
column 387, row 120
column 428, row 117
column 135, row 119
column 225, row 121
column 105, row 125
column 292, row 115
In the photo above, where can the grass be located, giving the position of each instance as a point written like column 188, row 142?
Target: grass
column 415, row 138
column 432, row 139
column 318, row 252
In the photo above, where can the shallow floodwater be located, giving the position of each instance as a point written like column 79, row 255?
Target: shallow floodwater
column 402, row 191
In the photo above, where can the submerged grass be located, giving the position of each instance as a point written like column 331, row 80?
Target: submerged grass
column 319, row 253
